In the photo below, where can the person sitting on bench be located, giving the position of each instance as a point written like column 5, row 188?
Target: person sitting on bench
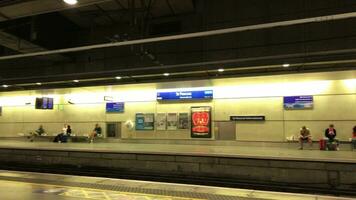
column 305, row 136
column 96, row 132
column 40, row 131
column 353, row 139
column 62, row 137
column 330, row 133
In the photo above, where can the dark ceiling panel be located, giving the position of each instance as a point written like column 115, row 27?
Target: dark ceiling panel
column 182, row 6
column 110, row 5
column 161, row 8
column 123, row 3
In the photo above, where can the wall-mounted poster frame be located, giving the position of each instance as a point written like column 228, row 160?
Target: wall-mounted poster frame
column 161, row 121
column 183, row 121
column 172, row 121
column 201, row 122
column 144, row 121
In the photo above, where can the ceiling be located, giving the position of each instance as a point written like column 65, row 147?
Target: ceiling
column 31, row 26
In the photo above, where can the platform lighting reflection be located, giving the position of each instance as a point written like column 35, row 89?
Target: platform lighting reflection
column 22, row 100
column 38, row 83
column 221, row 70
column 118, row 77
column 286, row 65
column 166, row 74
column 71, row 2
column 5, row 86
column 272, row 89
column 350, row 84
column 76, row 81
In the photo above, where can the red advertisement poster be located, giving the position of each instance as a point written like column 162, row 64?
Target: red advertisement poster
column 201, row 122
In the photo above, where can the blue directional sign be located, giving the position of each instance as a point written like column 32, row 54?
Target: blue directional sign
column 115, row 107
column 185, row 95
column 298, row 102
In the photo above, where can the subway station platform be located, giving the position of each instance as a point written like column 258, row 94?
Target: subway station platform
column 31, row 186
column 281, row 168
column 234, row 150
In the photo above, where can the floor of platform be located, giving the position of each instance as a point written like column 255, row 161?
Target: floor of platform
column 282, row 153
column 30, row 186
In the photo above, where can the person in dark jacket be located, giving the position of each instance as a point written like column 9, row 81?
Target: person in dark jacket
column 96, row 132
column 330, row 132
column 69, row 131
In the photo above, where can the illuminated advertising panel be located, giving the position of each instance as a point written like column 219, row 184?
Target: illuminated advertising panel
column 201, row 122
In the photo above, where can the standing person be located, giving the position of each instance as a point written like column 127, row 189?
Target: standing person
column 96, row 132
column 305, row 136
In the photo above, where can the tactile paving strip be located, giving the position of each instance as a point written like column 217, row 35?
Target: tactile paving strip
column 137, row 190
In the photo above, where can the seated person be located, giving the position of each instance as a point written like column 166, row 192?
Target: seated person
column 68, row 131
column 330, row 133
column 305, row 136
column 96, row 132
column 353, row 140
column 40, row 131
column 67, row 134
column 59, row 137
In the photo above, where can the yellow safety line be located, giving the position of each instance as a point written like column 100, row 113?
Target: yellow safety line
column 106, row 196
column 101, row 190
column 85, row 193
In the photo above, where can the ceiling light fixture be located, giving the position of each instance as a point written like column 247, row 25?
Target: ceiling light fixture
column 286, row 65
column 71, row 2
column 166, row 74
column 76, row 81
column 221, row 70
column 118, row 77
column 5, row 86
column 38, row 83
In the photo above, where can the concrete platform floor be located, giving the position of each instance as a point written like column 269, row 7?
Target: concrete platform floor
column 30, row 186
column 282, row 153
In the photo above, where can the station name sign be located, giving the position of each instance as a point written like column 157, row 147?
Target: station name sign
column 247, row 118
column 185, row 95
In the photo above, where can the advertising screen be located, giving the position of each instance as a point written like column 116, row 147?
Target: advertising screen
column 201, row 122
